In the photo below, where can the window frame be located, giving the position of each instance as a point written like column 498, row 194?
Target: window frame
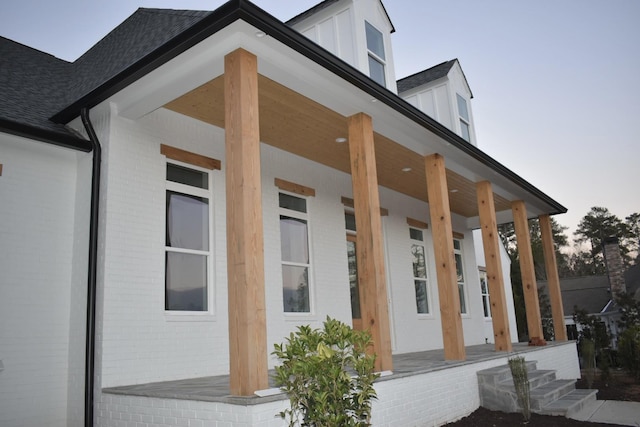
column 486, row 295
column 306, row 217
column 209, row 254
column 465, row 122
column 462, row 285
column 373, row 56
column 414, row 242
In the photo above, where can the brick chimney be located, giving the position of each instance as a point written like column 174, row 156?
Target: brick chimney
column 615, row 267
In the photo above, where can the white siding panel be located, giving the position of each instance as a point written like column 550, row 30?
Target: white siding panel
column 346, row 37
column 327, row 35
column 443, row 106
column 37, row 193
column 428, row 104
column 311, row 34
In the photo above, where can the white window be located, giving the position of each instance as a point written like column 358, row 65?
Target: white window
column 484, row 290
column 465, row 121
column 377, row 59
column 457, row 251
column 296, row 263
column 188, row 239
column 418, row 256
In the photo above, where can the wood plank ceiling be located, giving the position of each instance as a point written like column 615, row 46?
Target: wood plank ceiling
column 297, row 124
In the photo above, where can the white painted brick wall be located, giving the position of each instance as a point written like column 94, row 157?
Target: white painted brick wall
column 140, row 344
column 37, row 197
column 430, row 399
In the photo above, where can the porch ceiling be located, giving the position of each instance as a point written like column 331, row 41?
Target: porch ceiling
column 297, row 124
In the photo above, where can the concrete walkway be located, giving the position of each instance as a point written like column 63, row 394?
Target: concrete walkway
column 611, row 412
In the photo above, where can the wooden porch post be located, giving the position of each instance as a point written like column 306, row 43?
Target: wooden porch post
column 553, row 281
column 490, row 242
column 369, row 247
column 245, row 248
column 442, row 233
column 529, row 285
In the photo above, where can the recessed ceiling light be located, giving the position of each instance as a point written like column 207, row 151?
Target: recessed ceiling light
column 407, row 169
column 260, row 34
column 455, row 190
column 341, row 140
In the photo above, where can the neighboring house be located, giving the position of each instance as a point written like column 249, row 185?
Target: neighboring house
column 198, row 184
column 596, row 294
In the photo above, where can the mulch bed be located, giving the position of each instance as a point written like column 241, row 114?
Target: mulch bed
column 619, row 386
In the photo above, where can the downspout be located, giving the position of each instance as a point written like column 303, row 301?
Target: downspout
column 91, row 270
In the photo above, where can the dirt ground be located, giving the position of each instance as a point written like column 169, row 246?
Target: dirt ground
column 619, row 386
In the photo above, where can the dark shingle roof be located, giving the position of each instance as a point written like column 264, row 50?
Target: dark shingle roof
column 591, row 293
column 140, row 34
column 35, row 85
column 32, row 86
column 423, row 77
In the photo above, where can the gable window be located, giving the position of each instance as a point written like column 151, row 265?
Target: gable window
column 376, row 55
column 457, row 251
column 188, row 238
column 484, row 290
column 418, row 256
column 296, row 263
column 465, row 121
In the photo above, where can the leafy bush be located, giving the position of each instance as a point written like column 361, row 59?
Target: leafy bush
column 327, row 375
column 629, row 350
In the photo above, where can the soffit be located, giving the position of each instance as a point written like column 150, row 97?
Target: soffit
column 302, row 126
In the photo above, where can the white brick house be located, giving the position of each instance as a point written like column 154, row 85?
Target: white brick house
column 244, row 170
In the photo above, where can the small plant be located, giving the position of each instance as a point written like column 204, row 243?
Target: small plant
column 521, row 383
column 327, row 375
column 629, row 351
column 588, row 351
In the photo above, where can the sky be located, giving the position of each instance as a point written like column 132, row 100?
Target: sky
column 556, row 84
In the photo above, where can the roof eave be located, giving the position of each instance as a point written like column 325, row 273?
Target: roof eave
column 247, row 11
column 66, row 140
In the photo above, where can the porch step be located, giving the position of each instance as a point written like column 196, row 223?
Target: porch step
column 547, row 395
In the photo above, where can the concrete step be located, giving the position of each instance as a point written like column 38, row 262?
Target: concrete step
column 570, row 404
column 494, row 376
column 537, row 378
column 545, row 394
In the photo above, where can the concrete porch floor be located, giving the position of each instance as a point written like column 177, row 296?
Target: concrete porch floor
column 216, row 388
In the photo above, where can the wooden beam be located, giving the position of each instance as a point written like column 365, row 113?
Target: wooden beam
column 442, row 233
column 527, row 271
column 369, row 245
column 553, row 280
column 417, row 223
column 245, row 247
column 190, row 158
column 349, row 203
column 292, row 187
column 493, row 264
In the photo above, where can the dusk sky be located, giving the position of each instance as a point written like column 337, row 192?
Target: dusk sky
column 556, row 84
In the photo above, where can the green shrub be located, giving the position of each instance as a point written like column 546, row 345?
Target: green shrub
column 327, row 375
column 629, row 351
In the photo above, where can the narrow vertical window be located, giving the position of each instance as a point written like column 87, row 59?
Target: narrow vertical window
column 457, row 251
column 377, row 59
column 352, row 262
column 465, row 121
column 187, row 239
column 484, row 290
column 418, row 256
column 296, row 264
